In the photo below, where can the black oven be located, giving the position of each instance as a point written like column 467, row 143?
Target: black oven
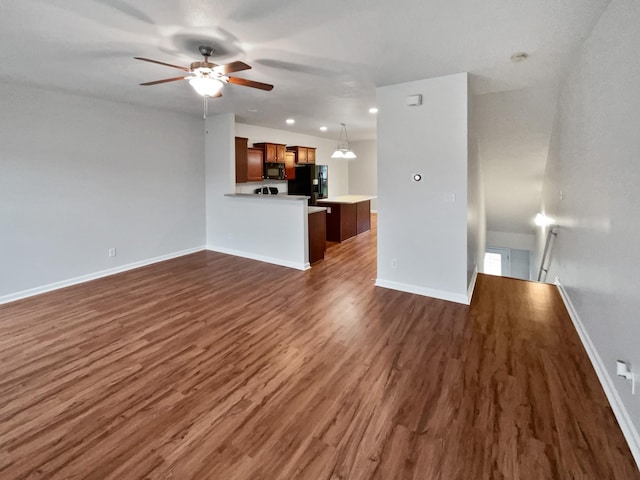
column 275, row 171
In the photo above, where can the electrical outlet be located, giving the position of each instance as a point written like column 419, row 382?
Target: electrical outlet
column 112, row 252
column 394, row 263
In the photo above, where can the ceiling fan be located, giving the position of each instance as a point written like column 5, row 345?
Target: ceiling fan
column 207, row 78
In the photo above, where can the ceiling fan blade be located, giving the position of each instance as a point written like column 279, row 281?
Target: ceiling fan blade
column 231, row 67
column 166, row 80
column 250, row 83
column 184, row 69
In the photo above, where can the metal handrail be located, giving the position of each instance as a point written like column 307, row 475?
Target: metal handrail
column 553, row 231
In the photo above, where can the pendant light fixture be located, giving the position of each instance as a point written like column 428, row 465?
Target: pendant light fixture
column 343, row 150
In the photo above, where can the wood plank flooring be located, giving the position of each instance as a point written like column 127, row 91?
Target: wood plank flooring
column 215, row 367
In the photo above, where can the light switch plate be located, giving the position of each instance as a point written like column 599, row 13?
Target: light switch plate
column 414, row 100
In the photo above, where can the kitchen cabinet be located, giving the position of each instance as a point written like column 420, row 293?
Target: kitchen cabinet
column 317, row 234
column 303, row 155
column 341, row 221
column 249, row 162
column 273, row 152
column 363, row 216
column 311, row 155
column 347, row 216
column 241, row 159
column 255, row 165
column 290, row 165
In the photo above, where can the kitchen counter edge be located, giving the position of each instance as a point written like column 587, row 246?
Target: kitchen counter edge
column 317, row 209
column 347, row 199
column 273, row 197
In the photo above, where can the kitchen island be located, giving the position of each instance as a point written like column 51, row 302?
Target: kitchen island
column 347, row 216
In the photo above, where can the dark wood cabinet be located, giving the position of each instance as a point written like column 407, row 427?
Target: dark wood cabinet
column 290, row 165
column 255, row 165
column 347, row 219
column 241, row 159
column 249, row 162
column 273, row 152
column 341, row 221
column 363, row 216
column 303, row 155
column 317, row 235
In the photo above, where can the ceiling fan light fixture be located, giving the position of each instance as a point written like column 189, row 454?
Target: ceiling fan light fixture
column 206, row 86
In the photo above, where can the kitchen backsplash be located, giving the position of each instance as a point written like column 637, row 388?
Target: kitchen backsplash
column 251, row 186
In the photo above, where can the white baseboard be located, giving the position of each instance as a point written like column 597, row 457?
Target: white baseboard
column 472, row 284
column 619, row 410
column 12, row 297
column 427, row 292
column 261, row 258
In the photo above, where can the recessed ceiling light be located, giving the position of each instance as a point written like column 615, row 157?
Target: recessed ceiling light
column 519, row 57
column 373, row 110
column 323, row 129
column 290, row 121
column 253, row 110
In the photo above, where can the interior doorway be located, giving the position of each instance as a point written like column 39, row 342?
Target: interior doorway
column 497, row 261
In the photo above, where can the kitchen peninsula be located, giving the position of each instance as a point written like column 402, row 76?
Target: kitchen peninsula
column 347, row 216
column 289, row 232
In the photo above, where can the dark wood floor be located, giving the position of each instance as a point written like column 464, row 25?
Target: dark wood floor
column 215, row 367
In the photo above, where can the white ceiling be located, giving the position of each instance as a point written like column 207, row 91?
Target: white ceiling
column 325, row 58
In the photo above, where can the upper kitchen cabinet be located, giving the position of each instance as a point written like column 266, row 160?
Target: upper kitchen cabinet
column 255, row 164
column 249, row 162
column 241, row 159
column 290, row 165
column 273, row 152
column 303, row 155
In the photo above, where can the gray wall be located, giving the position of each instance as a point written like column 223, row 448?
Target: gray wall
column 476, row 213
column 80, row 175
column 423, row 225
column 363, row 171
column 520, row 267
column 594, row 163
column 523, row 245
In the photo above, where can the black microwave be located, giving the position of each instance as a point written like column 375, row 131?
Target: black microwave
column 275, row 171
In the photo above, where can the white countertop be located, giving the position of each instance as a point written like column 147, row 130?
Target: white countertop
column 347, row 199
column 317, row 209
column 280, row 196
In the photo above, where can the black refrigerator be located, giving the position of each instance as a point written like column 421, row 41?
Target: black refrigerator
column 312, row 181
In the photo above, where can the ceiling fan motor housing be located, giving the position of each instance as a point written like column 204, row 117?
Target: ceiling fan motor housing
column 206, row 51
column 201, row 66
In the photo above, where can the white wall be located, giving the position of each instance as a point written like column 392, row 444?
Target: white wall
column 524, row 245
column 80, row 175
column 476, row 213
column 338, row 168
column 520, row 241
column 594, row 162
column 363, row 171
column 519, row 261
column 262, row 228
column 419, row 224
